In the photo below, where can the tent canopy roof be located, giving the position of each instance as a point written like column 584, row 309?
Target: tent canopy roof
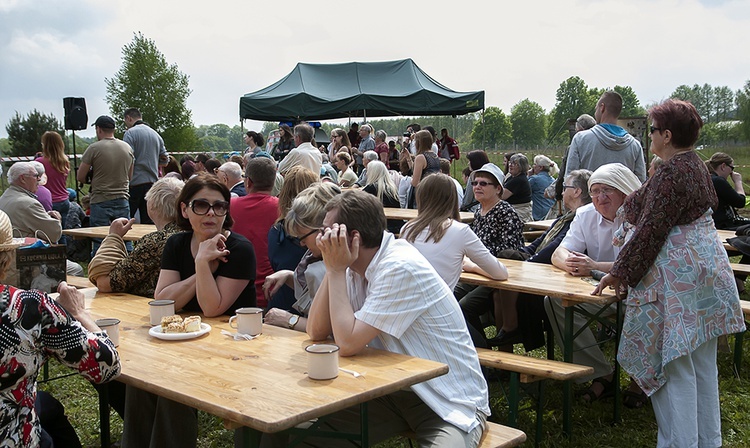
column 356, row 89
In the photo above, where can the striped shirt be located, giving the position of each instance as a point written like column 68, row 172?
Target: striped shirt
column 402, row 296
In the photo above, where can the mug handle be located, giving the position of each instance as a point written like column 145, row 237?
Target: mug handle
column 230, row 321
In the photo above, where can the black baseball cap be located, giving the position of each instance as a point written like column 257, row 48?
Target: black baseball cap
column 105, row 122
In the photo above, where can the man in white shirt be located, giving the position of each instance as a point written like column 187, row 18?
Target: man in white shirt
column 586, row 247
column 382, row 292
column 304, row 154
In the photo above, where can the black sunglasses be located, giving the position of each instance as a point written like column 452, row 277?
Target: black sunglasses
column 481, row 183
column 202, row 206
column 300, row 238
column 654, row 129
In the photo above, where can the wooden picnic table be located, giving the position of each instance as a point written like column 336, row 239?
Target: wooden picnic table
column 410, row 213
column 547, row 280
column 137, row 232
column 539, row 225
column 259, row 384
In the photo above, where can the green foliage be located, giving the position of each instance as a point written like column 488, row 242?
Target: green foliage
column 528, row 122
column 573, row 98
column 4, row 146
column 723, row 133
column 713, row 103
column 631, row 107
column 214, row 144
column 25, row 133
column 493, row 130
column 159, row 90
column 743, row 110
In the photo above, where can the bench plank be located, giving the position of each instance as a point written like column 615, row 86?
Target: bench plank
column 531, row 368
column 498, row 436
column 745, row 304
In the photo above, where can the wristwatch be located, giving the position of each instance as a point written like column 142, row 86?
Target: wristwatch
column 293, row 321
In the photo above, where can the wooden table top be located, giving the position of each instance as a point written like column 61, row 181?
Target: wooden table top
column 543, row 280
column 409, row 213
column 539, row 225
column 261, row 383
column 137, row 232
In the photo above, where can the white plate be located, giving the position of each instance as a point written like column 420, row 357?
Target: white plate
column 156, row 332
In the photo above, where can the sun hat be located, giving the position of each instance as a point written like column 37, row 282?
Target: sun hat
column 492, row 169
column 6, row 234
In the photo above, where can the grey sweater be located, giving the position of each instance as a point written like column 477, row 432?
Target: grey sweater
column 597, row 146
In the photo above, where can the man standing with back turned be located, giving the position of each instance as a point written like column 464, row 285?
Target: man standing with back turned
column 381, row 292
column 606, row 142
column 149, row 151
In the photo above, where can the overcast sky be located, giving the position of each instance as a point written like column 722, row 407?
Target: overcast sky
column 50, row 49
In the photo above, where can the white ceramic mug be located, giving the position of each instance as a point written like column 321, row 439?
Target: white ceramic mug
column 322, row 361
column 248, row 321
column 159, row 309
column 111, row 326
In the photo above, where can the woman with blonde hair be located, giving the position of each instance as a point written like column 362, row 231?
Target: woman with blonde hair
column 542, row 173
column 304, row 220
column 380, row 184
column 284, row 250
column 731, row 196
column 57, row 168
column 448, row 244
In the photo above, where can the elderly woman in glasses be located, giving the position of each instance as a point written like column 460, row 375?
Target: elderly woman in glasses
column 681, row 294
column 208, row 268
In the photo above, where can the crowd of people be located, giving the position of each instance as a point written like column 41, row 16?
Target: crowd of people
column 300, row 230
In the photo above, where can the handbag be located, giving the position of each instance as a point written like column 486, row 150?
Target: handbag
column 39, row 265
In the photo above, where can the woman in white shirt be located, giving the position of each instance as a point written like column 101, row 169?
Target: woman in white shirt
column 446, row 243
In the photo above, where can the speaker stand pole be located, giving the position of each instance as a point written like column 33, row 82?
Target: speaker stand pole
column 75, row 169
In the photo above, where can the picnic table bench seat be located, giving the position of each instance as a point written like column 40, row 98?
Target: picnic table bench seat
column 495, row 436
column 527, row 369
column 739, row 337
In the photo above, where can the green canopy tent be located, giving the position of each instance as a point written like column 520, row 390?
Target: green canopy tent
column 356, row 89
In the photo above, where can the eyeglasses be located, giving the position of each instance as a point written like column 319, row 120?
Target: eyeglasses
column 731, row 167
column 568, row 186
column 602, row 192
column 202, row 206
column 481, row 183
column 38, row 176
column 654, row 129
column 300, row 238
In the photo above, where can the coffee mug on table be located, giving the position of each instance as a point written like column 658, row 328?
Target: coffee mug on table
column 248, row 321
column 159, row 309
column 322, row 361
column 111, row 326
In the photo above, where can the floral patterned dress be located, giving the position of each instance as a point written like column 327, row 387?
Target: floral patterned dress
column 33, row 329
column 499, row 229
column 681, row 288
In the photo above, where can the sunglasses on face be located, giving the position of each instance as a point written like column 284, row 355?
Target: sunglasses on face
column 202, row 206
column 654, row 129
column 481, row 183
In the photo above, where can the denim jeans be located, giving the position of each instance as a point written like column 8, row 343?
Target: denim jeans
column 103, row 213
column 63, row 207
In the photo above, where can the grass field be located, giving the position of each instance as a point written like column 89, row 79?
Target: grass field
column 592, row 423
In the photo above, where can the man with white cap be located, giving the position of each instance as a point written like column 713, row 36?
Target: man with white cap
column 588, row 247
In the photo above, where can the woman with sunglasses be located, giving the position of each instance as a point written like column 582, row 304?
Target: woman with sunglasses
column 681, row 293
column 339, row 140
column 731, row 195
column 305, row 218
column 498, row 227
column 208, row 268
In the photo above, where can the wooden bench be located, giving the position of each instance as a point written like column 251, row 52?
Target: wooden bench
column 527, row 369
column 495, row 436
column 738, row 268
column 739, row 337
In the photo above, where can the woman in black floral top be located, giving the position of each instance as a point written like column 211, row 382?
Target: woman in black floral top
column 498, row 227
column 34, row 328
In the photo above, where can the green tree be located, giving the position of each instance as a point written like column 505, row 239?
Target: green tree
column 528, row 123
column 495, row 129
column 572, row 99
column 724, row 103
column 215, row 145
column 702, row 97
column 631, row 107
column 159, row 90
column 25, row 133
column 743, row 110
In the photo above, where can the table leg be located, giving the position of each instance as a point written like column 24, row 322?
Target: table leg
column 568, row 385
column 738, row 339
column 616, row 375
column 250, row 437
column 513, row 400
column 364, row 425
column 104, row 415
